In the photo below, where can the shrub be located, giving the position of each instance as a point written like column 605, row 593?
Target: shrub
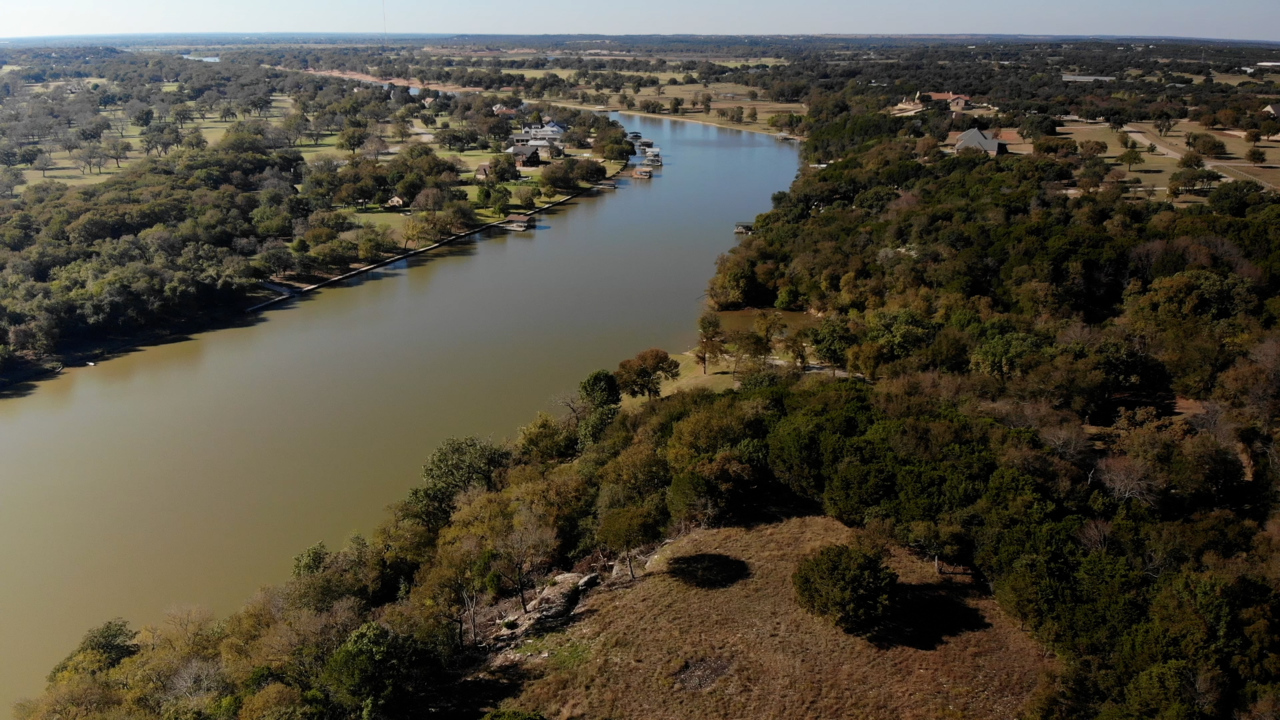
column 847, row 584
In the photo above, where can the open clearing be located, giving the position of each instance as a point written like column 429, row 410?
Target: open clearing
column 670, row 646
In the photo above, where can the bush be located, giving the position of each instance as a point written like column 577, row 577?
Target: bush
column 848, row 585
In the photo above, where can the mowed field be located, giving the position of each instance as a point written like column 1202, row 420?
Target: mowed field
column 1233, row 164
column 671, row 647
column 66, row 171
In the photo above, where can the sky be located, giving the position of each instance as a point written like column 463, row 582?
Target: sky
column 1230, row 19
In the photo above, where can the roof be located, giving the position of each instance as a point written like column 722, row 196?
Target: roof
column 975, row 138
column 948, row 97
column 1273, row 109
column 525, row 150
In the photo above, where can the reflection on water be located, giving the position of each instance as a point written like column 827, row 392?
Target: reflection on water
column 192, row 472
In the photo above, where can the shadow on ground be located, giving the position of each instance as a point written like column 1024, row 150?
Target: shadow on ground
column 924, row 616
column 709, row 571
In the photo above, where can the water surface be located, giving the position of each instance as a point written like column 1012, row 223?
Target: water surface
column 191, row 473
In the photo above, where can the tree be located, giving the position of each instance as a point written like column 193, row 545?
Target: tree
column 770, row 325
column 183, row 114
column 1191, row 161
column 1131, row 157
column 643, row 374
column 103, row 648
column 710, row 340
column 1092, row 148
column 375, row 673
column 676, row 104
column 351, row 139
column 752, row 115
column 599, row 398
column 459, row 464
column 1256, row 155
column 796, row 345
column 118, row 150
column 832, row 340
column 374, row 147
column 44, row 163
column 624, row 529
column 848, row 585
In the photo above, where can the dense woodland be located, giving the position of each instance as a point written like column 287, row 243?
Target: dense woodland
column 190, row 229
column 1072, row 394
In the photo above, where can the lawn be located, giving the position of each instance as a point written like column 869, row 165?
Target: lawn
column 1233, row 164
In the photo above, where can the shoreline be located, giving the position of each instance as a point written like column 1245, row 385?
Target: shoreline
column 681, row 118
column 224, row 318
column 408, row 82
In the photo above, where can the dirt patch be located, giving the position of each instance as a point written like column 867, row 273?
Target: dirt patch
column 701, row 674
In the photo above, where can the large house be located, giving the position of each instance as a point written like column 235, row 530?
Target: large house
column 544, row 131
column 979, row 140
column 956, row 102
column 525, row 155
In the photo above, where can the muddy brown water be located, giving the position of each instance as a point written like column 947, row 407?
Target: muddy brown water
column 191, row 473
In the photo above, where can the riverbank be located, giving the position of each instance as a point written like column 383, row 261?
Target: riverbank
column 758, row 128
column 419, row 251
column 32, row 371
column 191, row 473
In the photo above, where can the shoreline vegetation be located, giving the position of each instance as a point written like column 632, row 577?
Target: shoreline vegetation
column 304, row 202
column 1060, row 392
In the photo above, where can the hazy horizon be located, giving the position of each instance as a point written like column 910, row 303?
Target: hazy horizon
column 1245, row 20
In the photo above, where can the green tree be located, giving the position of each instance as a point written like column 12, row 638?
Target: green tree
column 1131, row 157
column 848, row 585
column 1257, row 156
column 352, row 139
column 643, row 374
column 832, row 340
column 624, row 529
column 458, row 465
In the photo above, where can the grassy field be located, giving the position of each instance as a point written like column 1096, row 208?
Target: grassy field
column 667, row 646
column 65, row 170
column 1233, row 164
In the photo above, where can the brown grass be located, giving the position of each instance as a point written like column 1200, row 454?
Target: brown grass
column 659, row 648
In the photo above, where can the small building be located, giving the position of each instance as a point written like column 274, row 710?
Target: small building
column 979, row 140
column 519, row 222
column 526, row 156
column 1273, row 109
column 744, row 228
column 395, row 202
column 642, row 173
column 484, row 173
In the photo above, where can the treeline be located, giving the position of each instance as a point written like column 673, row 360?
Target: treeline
column 189, row 229
column 1125, row 347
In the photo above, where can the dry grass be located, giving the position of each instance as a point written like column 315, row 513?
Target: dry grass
column 661, row 648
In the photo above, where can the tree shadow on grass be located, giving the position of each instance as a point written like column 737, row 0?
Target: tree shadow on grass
column 924, row 616
column 708, row 571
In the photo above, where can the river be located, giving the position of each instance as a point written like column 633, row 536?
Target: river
column 191, row 473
